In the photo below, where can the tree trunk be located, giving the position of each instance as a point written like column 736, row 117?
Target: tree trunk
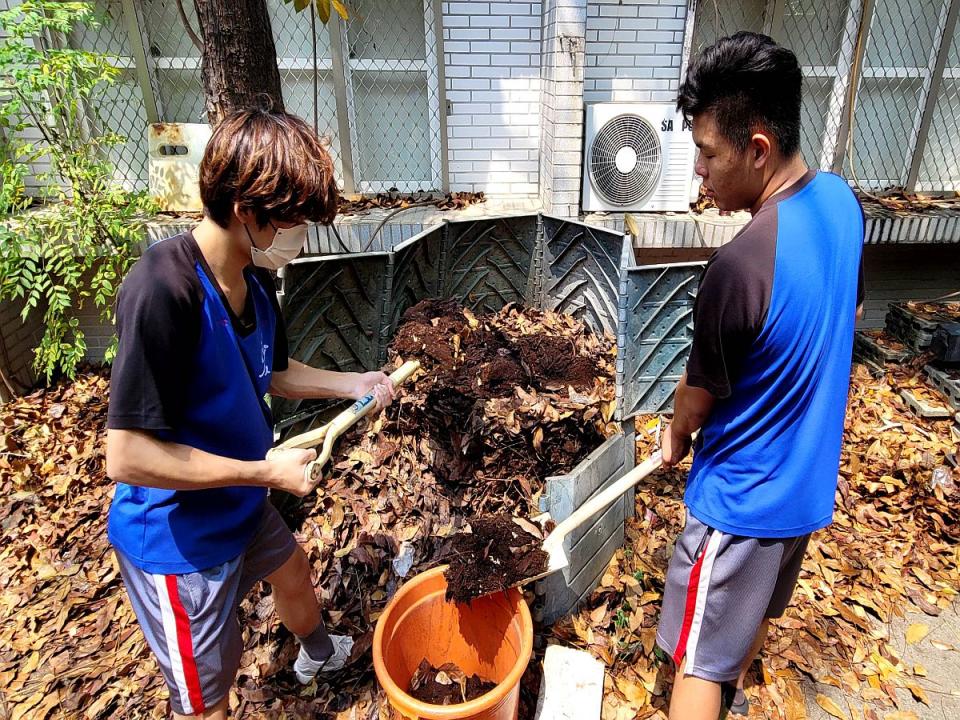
column 239, row 68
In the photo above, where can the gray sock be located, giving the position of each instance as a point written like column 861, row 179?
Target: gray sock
column 317, row 644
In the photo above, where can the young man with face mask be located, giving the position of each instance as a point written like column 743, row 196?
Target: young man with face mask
column 201, row 343
column 767, row 379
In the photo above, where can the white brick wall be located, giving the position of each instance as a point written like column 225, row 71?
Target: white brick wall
column 492, row 67
column 633, row 50
column 561, row 136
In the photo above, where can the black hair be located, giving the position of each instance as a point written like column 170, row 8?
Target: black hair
column 748, row 82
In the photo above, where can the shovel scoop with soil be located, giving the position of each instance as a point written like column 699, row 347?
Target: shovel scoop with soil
column 504, row 552
column 498, row 553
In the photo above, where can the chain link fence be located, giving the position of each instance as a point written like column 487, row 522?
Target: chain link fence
column 900, row 129
column 371, row 85
column 121, row 109
column 940, row 166
column 303, row 58
column 392, row 84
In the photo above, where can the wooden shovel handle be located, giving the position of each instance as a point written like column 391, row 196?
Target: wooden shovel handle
column 336, row 427
column 605, row 498
column 314, row 437
column 601, row 501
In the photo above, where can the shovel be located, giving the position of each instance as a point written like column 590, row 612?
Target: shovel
column 329, row 433
column 553, row 545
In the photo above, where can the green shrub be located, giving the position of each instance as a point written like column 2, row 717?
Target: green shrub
column 74, row 243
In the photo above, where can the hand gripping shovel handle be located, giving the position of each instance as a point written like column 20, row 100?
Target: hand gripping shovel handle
column 553, row 545
column 336, row 427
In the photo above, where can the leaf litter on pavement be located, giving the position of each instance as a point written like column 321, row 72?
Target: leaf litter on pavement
column 477, row 442
column 894, row 546
column 503, row 401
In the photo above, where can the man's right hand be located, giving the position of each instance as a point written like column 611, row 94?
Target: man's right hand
column 287, row 471
column 675, row 446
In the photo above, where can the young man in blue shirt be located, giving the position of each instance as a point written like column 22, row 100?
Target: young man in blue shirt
column 768, row 375
column 201, row 343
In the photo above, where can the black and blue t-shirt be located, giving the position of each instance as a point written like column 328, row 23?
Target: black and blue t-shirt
column 191, row 371
column 773, row 338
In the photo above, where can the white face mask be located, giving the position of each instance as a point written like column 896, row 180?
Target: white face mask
column 287, row 244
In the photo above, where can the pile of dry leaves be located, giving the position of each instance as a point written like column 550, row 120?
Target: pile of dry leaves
column 936, row 311
column 395, row 200
column 895, row 543
column 502, row 402
column 900, row 201
column 390, row 200
column 69, row 646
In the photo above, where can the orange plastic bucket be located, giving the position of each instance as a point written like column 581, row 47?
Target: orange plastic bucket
column 491, row 637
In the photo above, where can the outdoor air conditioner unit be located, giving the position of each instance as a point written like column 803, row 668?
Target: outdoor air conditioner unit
column 637, row 156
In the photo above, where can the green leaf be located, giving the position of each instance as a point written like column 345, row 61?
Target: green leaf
column 86, row 234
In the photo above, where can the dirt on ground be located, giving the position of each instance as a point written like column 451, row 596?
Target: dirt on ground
column 446, row 685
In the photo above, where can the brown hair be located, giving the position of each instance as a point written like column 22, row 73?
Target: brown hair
column 271, row 163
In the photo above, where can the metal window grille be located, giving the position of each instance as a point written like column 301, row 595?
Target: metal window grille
column 392, row 92
column 905, row 62
column 372, row 85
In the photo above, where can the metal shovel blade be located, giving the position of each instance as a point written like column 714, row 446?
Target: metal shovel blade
column 557, row 557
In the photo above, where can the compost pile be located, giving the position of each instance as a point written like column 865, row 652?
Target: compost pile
column 502, row 401
column 446, row 685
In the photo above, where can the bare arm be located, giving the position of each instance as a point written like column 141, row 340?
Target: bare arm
column 301, row 381
column 138, row 458
column 692, row 406
column 860, row 311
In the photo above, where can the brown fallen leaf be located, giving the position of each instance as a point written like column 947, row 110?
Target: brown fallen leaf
column 917, row 632
column 918, row 693
column 831, row 707
column 892, row 545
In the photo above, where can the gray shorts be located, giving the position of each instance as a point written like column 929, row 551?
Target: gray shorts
column 190, row 620
column 719, row 589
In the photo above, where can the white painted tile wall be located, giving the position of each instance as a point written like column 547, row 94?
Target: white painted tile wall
column 562, row 103
column 492, row 68
column 633, row 50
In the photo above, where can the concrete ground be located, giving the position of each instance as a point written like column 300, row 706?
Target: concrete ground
column 941, row 685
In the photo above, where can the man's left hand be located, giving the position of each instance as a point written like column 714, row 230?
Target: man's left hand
column 377, row 383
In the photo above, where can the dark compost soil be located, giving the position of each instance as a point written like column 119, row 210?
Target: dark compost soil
column 446, row 685
column 497, row 554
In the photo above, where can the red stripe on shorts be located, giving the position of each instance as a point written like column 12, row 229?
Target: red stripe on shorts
column 689, row 610
column 185, row 643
